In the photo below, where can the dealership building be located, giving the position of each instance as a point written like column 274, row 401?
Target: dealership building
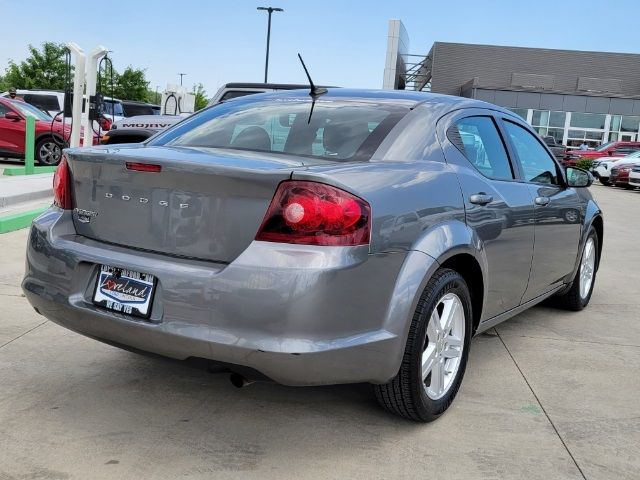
column 574, row 96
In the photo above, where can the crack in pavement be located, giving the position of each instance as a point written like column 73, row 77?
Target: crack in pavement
column 593, row 342
column 23, row 334
column 566, row 447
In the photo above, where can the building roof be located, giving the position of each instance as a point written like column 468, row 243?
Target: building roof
column 453, row 65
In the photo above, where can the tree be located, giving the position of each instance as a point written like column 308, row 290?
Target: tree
column 201, row 96
column 132, row 85
column 44, row 68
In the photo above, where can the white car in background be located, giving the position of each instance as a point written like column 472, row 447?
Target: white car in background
column 601, row 167
column 634, row 176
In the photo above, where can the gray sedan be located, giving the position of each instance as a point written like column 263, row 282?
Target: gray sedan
column 337, row 237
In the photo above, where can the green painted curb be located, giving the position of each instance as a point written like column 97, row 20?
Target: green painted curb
column 17, row 221
column 13, row 171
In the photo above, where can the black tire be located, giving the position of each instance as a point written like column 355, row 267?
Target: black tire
column 572, row 299
column 405, row 394
column 628, row 187
column 48, row 151
column 605, row 181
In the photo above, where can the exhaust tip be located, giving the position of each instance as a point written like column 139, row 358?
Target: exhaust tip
column 239, row 381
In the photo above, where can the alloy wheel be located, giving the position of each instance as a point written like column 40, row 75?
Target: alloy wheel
column 587, row 268
column 443, row 346
column 49, row 153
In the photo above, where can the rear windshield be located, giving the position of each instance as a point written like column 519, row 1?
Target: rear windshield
column 338, row 130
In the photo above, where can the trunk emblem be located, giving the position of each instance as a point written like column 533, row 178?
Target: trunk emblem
column 126, row 198
column 85, row 216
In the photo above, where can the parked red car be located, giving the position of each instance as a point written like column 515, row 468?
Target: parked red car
column 619, row 149
column 620, row 175
column 50, row 135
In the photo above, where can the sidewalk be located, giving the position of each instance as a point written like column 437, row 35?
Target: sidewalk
column 22, row 198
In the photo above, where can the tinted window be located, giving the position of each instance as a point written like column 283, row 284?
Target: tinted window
column 536, row 164
column 480, row 142
column 132, row 110
column 3, row 110
column 43, row 102
column 237, row 93
column 338, row 130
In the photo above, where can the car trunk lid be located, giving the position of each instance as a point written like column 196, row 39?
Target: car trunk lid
column 204, row 203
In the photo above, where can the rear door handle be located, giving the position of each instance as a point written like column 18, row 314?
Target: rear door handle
column 480, row 198
column 542, row 201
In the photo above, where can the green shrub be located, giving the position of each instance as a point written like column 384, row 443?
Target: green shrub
column 585, row 163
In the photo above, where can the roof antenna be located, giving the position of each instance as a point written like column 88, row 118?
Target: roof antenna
column 315, row 92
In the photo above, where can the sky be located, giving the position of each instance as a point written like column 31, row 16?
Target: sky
column 343, row 42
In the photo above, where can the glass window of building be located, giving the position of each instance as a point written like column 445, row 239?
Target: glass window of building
column 549, row 123
column 624, row 128
column 521, row 112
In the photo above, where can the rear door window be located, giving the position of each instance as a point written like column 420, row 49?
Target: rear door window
column 478, row 139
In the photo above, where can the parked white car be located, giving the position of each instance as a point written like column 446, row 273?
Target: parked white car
column 601, row 167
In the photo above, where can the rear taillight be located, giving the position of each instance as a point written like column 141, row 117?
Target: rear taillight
column 62, row 186
column 313, row 213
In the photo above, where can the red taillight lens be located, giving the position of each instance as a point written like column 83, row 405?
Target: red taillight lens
column 143, row 167
column 313, row 213
column 62, row 186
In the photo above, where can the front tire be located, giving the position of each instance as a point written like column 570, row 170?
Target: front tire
column 48, row 152
column 579, row 295
column 436, row 352
column 605, row 181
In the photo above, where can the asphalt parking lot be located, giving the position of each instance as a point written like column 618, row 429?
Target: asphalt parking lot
column 547, row 395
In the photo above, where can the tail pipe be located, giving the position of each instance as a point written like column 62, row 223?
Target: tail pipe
column 239, row 381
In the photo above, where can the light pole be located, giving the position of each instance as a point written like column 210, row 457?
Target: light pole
column 270, row 10
column 181, row 75
column 157, row 98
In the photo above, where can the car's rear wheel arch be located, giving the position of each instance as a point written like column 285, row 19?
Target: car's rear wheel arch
column 467, row 266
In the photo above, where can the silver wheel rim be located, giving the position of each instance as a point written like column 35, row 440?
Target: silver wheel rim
column 587, row 268
column 49, row 153
column 443, row 347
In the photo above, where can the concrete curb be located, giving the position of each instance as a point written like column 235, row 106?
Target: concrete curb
column 9, row 223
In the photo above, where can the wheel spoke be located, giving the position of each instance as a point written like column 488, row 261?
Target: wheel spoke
column 437, row 378
column 449, row 313
column 434, row 321
column 428, row 360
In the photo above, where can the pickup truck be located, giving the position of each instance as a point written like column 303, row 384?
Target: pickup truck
column 610, row 149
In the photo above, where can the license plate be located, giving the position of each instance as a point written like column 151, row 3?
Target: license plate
column 124, row 291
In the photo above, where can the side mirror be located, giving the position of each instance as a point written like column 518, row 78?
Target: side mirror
column 12, row 116
column 579, row 178
column 610, row 153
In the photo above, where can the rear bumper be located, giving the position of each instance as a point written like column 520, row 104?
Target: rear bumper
column 299, row 315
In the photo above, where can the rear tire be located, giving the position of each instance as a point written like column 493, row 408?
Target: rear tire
column 436, row 352
column 605, row 181
column 48, row 152
column 579, row 295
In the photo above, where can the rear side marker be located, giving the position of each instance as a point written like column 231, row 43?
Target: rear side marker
column 143, row 167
